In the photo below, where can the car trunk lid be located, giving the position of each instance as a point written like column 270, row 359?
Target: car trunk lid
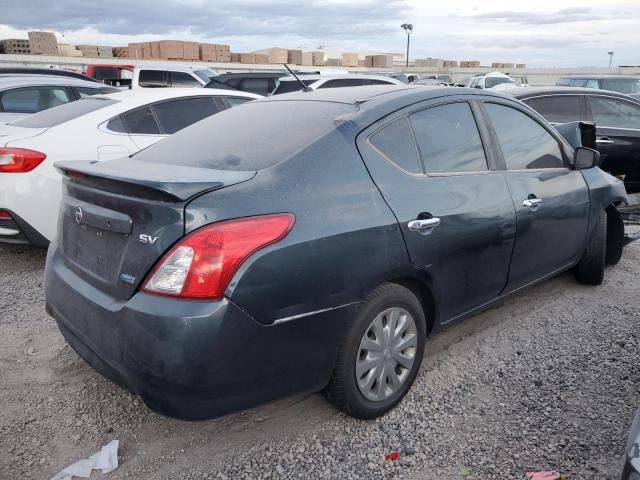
column 11, row 133
column 118, row 218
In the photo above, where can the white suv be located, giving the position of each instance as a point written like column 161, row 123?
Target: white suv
column 171, row 75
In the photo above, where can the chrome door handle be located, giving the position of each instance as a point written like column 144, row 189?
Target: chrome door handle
column 532, row 203
column 423, row 227
column 604, row 141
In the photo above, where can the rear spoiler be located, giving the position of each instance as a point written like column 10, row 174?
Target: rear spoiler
column 150, row 180
column 578, row 134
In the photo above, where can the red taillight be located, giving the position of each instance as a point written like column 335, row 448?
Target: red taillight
column 202, row 264
column 4, row 215
column 19, row 160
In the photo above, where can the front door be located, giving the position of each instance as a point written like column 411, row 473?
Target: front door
column 551, row 200
column 456, row 214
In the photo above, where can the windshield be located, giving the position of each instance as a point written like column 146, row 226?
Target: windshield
column 63, row 113
column 246, row 136
column 205, row 74
column 622, row 85
column 490, row 82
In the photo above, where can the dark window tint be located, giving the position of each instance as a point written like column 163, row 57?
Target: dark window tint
column 448, row 139
column 141, row 121
column 152, row 78
column 64, row 113
column 395, row 142
column 558, row 109
column 622, row 85
column 564, row 82
column 611, row 112
column 32, row 99
column 261, row 86
column 343, row 82
column 233, row 101
column 175, row 115
column 378, row 82
column 220, row 141
column 106, row 73
column 288, row 86
column 116, row 125
column 525, row 143
column 183, row 79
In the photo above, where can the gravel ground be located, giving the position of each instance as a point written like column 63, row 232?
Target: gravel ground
column 550, row 379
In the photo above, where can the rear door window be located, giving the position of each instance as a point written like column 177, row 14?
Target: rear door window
column 183, row 79
column 343, row 82
column 152, row 78
column 395, row 142
column 174, row 115
column 578, row 82
column 141, row 121
column 612, row 112
column 525, row 143
column 448, row 139
column 558, row 108
column 33, row 99
column 564, row 82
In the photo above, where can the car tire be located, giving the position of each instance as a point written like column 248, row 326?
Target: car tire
column 590, row 269
column 388, row 305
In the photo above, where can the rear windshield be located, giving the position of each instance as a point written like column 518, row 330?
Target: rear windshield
column 63, row 113
column 252, row 136
column 288, row 86
column 106, row 73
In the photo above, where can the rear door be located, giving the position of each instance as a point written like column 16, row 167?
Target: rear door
column 551, row 200
column 559, row 108
column 617, row 135
column 454, row 209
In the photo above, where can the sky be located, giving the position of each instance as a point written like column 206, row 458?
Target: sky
column 545, row 33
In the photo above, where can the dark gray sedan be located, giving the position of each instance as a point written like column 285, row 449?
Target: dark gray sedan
column 312, row 241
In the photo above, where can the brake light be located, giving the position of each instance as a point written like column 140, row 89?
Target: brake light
column 5, row 215
column 19, row 160
column 202, row 263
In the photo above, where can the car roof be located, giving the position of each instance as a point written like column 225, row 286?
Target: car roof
column 525, row 92
column 596, row 77
column 142, row 96
column 17, row 80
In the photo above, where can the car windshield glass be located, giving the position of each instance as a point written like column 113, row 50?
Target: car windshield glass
column 205, row 74
column 622, row 85
column 287, row 86
column 64, row 113
column 246, row 137
column 490, row 82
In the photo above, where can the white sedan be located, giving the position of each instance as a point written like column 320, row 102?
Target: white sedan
column 97, row 128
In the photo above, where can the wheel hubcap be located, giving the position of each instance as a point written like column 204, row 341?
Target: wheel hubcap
column 387, row 353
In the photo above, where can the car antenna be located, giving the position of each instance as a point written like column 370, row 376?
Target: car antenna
column 304, row 87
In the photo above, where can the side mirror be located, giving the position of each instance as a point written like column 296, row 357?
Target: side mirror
column 584, row 158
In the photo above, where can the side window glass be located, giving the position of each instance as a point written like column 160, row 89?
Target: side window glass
column 343, row 82
column 89, row 92
column 592, row 84
column 116, row 125
column 141, row 121
column 564, row 82
column 448, row 139
column 33, row 99
column 610, row 112
column 152, row 78
column 578, row 83
column 233, row 101
column 474, row 82
column 375, row 81
column 255, row 85
column 174, row 115
column 557, row 109
column 183, row 79
column 525, row 143
column 395, row 142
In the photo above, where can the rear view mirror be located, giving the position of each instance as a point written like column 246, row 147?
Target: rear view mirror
column 584, row 158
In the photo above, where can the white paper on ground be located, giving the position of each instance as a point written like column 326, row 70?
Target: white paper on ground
column 106, row 460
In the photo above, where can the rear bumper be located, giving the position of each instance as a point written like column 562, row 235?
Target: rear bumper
column 191, row 359
column 17, row 231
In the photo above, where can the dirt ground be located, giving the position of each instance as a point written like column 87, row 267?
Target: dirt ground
column 550, row 379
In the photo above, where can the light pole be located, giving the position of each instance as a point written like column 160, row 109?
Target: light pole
column 610, row 58
column 407, row 28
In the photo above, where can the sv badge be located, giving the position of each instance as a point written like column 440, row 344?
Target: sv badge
column 144, row 238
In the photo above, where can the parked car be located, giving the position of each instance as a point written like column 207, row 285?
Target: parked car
column 617, row 83
column 446, row 78
column 378, row 215
column 431, row 82
column 490, row 80
column 631, row 469
column 261, row 83
column 519, row 79
column 96, row 129
column 111, row 74
column 314, row 82
column 171, row 75
column 21, row 96
column 21, row 71
column 617, row 119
